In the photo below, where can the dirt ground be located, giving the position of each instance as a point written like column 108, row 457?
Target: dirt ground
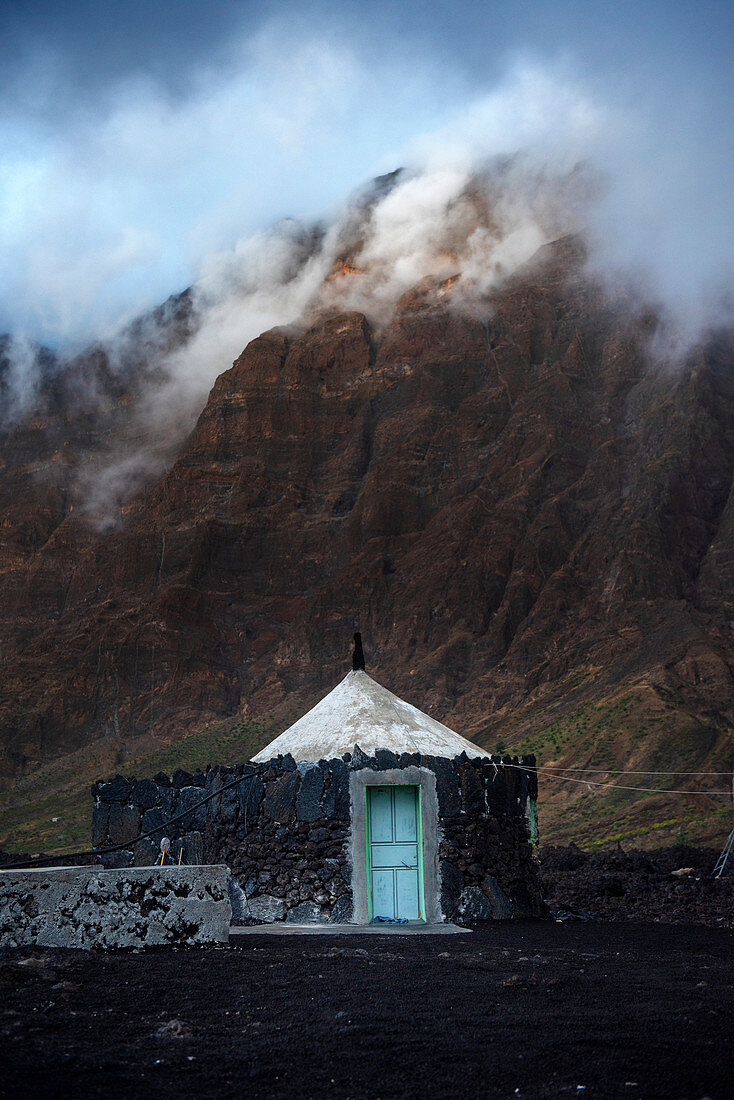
column 528, row 1010
column 609, row 1005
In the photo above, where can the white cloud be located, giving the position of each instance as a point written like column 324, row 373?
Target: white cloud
column 291, row 125
column 142, row 193
column 536, row 107
column 119, row 206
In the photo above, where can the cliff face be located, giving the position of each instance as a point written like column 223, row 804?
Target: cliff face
column 522, row 514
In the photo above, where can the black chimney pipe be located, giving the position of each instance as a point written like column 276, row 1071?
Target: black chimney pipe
column 358, row 655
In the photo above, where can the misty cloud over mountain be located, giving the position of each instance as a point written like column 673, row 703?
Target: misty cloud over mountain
column 118, row 190
column 237, row 177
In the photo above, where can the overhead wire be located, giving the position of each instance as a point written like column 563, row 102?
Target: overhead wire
column 629, row 771
column 624, row 787
column 559, row 774
column 546, row 770
column 254, row 769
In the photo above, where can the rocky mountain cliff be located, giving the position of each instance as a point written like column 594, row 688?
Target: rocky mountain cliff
column 529, row 519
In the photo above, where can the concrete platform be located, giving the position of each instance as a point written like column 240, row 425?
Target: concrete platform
column 91, row 907
column 280, row 928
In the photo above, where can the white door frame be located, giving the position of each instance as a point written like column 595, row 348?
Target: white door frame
column 412, row 776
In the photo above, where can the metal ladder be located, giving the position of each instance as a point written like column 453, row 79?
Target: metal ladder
column 721, row 861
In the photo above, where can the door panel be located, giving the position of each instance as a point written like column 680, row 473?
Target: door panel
column 394, row 855
column 383, row 893
column 393, row 845
column 381, row 815
column 406, row 825
column 406, row 893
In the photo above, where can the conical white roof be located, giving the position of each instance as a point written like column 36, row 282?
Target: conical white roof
column 359, row 711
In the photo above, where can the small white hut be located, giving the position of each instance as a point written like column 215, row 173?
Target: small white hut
column 405, row 772
column 364, row 809
column 394, row 812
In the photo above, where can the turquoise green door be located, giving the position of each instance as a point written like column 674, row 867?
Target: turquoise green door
column 393, row 839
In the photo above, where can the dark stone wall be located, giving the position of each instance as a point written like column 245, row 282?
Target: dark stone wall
column 284, row 832
column 288, row 847
column 488, row 865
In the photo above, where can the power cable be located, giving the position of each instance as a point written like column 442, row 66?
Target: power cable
column 255, row 769
column 623, row 787
column 619, row 786
column 628, row 771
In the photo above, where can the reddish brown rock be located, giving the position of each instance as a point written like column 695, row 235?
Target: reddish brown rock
column 521, row 512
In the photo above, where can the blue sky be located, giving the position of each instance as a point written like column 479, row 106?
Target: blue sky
column 137, row 138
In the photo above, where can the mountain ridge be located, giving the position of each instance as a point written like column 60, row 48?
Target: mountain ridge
column 526, row 516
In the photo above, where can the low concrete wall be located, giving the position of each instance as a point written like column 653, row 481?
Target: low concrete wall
column 91, row 907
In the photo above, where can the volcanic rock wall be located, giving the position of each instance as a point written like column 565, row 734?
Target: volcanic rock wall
column 284, row 832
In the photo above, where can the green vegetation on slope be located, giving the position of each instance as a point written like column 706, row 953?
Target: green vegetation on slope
column 50, row 809
column 634, row 730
